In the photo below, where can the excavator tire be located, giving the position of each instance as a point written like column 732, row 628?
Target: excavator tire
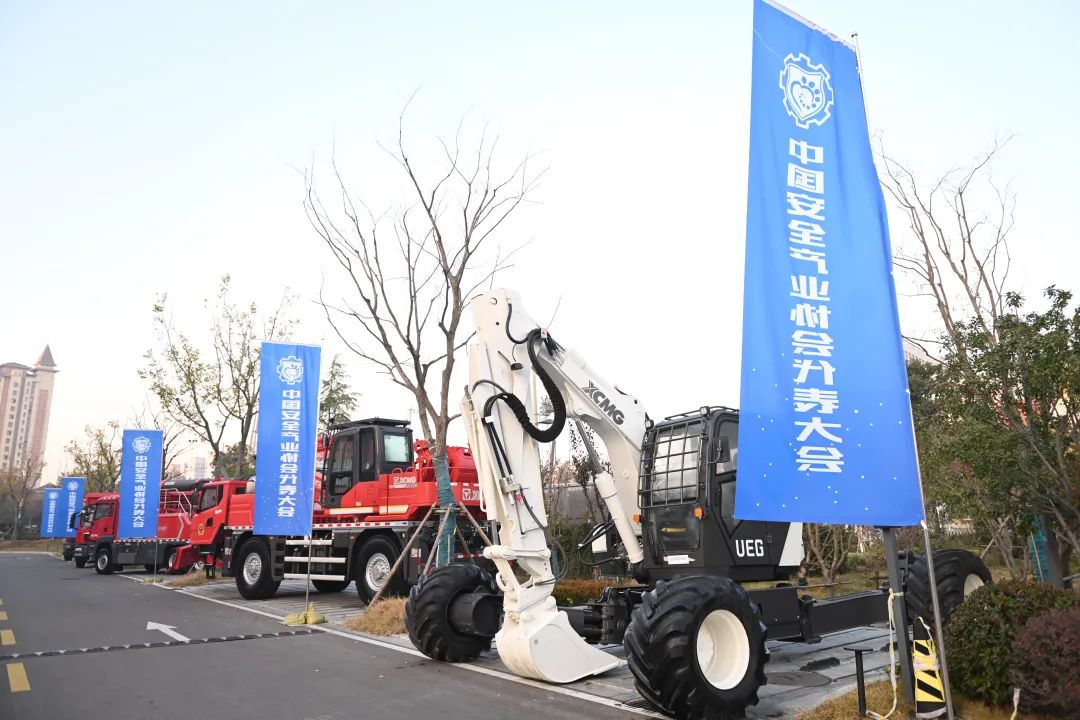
column 428, row 608
column 958, row 572
column 696, row 648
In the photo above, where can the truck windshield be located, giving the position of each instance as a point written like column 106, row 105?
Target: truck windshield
column 102, row 510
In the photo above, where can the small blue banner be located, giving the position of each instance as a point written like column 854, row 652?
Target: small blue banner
column 285, row 451
column 73, row 489
column 140, row 484
column 825, row 430
column 52, row 520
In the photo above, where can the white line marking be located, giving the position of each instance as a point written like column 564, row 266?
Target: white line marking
column 169, row 630
column 557, row 689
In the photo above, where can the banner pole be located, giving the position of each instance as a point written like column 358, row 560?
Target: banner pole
column 896, row 597
column 940, row 636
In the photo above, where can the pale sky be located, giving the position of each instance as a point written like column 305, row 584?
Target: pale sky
column 150, row 148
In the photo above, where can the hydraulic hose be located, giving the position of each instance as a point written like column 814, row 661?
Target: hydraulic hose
column 558, row 404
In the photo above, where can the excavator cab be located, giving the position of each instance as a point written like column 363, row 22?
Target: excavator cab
column 687, row 499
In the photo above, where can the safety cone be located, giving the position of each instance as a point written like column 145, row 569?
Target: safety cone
column 929, row 689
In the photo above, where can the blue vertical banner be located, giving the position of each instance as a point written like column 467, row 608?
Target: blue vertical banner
column 825, row 430
column 73, row 489
column 52, row 521
column 285, row 451
column 140, row 483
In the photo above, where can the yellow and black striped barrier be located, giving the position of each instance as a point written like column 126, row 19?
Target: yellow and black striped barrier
column 929, row 688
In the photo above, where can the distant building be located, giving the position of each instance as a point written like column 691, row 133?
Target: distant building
column 196, row 469
column 26, row 395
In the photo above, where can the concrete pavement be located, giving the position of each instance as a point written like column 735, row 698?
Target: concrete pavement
column 256, row 672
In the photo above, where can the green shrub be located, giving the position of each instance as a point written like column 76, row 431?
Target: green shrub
column 578, row 592
column 1046, row 663
column 979, row 636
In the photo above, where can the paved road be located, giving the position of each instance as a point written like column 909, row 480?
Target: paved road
column 47, row 606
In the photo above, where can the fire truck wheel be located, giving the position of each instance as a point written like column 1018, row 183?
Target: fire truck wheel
column 958, row 573
column 427, row 613
column 170, row 563
column 377, row 555
column 696, row 648
column 330, row 586
column 253, row 578
column 103, row 564
column 80, row 562
column 150, row 568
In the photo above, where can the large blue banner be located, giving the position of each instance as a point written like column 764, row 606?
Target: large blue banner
column 825, row 433
column 73, row 489
column 52, row 520
column 285, row 452
column 140, row 483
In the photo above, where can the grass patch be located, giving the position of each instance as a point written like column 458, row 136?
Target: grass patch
column 44, row 545
column 879, row 697
column 386, row 617
column 152, row 580
column 190, row 579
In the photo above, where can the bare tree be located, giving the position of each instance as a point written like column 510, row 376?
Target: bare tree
column 173, row 440
column 957, row 254
column 210, row 392
column 411, row 270
column 97, row 456
column 17, row 484
column 830, row 546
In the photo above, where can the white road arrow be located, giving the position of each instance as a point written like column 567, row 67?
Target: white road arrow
column 168, row 630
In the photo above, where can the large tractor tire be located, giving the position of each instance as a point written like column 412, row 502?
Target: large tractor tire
column 103, row 562
column 253, row 572
column 80, row 562
column 427, row 613
column 330, row 586
column 377, row 555
column 958, row 573
column 696, row 648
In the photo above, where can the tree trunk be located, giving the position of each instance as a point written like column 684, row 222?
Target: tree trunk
column 446, row 499
column 18, row 521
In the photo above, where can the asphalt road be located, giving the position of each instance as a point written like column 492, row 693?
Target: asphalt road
column 256, row 671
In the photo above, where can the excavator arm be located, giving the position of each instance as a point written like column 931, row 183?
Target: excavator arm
column 509, row 355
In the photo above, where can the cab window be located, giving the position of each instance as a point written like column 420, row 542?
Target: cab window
column 396, row 449
column 209, row 498
column 102, row 510
column 675, row 464
column 344, row 452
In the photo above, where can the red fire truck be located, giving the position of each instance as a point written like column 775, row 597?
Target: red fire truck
column 82, row 522
column 96, row 540
column 373, row 491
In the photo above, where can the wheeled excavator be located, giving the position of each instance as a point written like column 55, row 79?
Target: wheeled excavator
column 694, row 637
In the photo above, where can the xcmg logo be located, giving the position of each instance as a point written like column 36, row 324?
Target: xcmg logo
column 604, row 403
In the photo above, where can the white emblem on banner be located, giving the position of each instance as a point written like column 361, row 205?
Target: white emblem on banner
column 290, row 370
column 73, row 485
column 808, row 93
column 141, row 445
